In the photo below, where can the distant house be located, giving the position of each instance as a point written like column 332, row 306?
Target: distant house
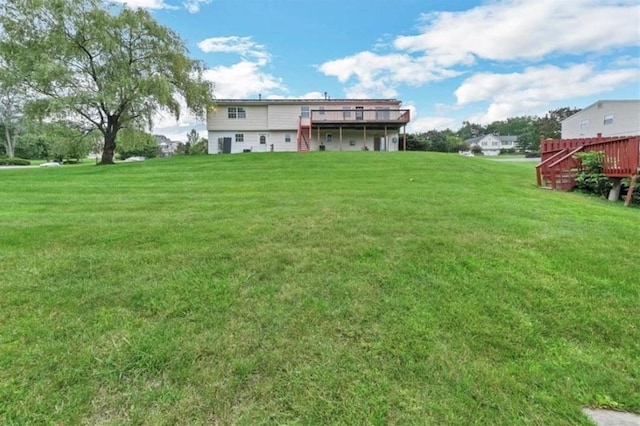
column 167, row 146
column 607, row 118
column 492, row 144
column 262, row 125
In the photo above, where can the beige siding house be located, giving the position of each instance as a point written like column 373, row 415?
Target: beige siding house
column 257, row 125
column 607, row 118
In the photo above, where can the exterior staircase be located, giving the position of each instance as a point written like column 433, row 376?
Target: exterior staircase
column 559, row 166
column 304, row 136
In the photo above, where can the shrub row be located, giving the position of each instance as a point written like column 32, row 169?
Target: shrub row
column 5, row 161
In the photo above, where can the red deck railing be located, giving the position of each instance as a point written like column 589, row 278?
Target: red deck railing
column 559, row 167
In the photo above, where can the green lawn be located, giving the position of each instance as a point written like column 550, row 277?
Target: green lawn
column 321, row 288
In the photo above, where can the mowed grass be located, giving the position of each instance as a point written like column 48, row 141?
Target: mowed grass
column 322, row 288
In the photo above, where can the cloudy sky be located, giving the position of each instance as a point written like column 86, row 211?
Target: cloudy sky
column 447, row 60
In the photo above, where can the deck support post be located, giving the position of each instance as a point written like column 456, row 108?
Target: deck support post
column 404, row 138
column 632, row 185
column 340, row 138
column 386, row 139
column 614, row 192
column 364, row 141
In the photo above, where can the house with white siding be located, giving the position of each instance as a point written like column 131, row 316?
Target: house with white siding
column 604, row 118
column 492, row 144
column 276, row 125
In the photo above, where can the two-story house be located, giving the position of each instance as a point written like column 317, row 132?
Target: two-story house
column 263, row 125
column 606, row 118
column 492, row 144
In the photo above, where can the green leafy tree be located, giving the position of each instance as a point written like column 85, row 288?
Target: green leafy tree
column 470, row 130
column 53, row 141
column 104, row 68
column 550, row 126
column 195, row 145
column 11, row 107
column 135, row 143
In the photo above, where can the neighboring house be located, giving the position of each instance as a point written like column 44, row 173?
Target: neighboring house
column 607, row 118
column 263, row 125
column 492, row 144
column 167, row 146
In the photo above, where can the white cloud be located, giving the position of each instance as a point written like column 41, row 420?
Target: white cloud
column 379, row 75
column 193, row 6
column 242, row 79
column 519, row 29
column 147, row 4
column 520, row 93
column 425, row 124
column 496, row 32
column 243, row 46
column 245, row 78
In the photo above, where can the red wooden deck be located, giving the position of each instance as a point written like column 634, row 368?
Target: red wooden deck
column 559, row 167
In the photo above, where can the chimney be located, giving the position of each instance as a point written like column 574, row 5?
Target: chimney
column 259, row 96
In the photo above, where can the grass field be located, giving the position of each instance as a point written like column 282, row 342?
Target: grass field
column 323, row 288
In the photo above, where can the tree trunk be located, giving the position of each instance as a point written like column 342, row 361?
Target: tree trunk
column 109, row 149
column 9, row 144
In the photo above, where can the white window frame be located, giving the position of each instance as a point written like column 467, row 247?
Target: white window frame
column 607, row 119
column 242, row 113
column 287, row 137
column 328, row 137
column 305, row 112
column 239, row 137
column 232, row 113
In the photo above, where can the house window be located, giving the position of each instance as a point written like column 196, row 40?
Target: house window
column 329, row 137
column 584, row 124
column 321, row 110
column 352, row 142
column 304, row 112
column 287, row 137
column 263, row 139
column 346, row 112
column 608, row 119
column 239, row 137
column 239, row 112
column 382, row 113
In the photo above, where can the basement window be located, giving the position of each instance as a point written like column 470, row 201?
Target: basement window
column 239, row 137
column 287, row 137
column 329, row 137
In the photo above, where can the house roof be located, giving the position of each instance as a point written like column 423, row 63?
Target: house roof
column 303, row 101
column 602, row 101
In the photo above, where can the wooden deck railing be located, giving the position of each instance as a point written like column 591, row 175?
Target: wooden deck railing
column 559, row 167
column 351, row 116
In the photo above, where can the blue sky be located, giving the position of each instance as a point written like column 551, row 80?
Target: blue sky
column 448, row 61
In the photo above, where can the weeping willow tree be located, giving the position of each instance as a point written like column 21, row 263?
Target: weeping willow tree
column 105, row 68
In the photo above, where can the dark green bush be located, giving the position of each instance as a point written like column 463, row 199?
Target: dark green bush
column 4, row 161
column 532, row 155
column 590, row 177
